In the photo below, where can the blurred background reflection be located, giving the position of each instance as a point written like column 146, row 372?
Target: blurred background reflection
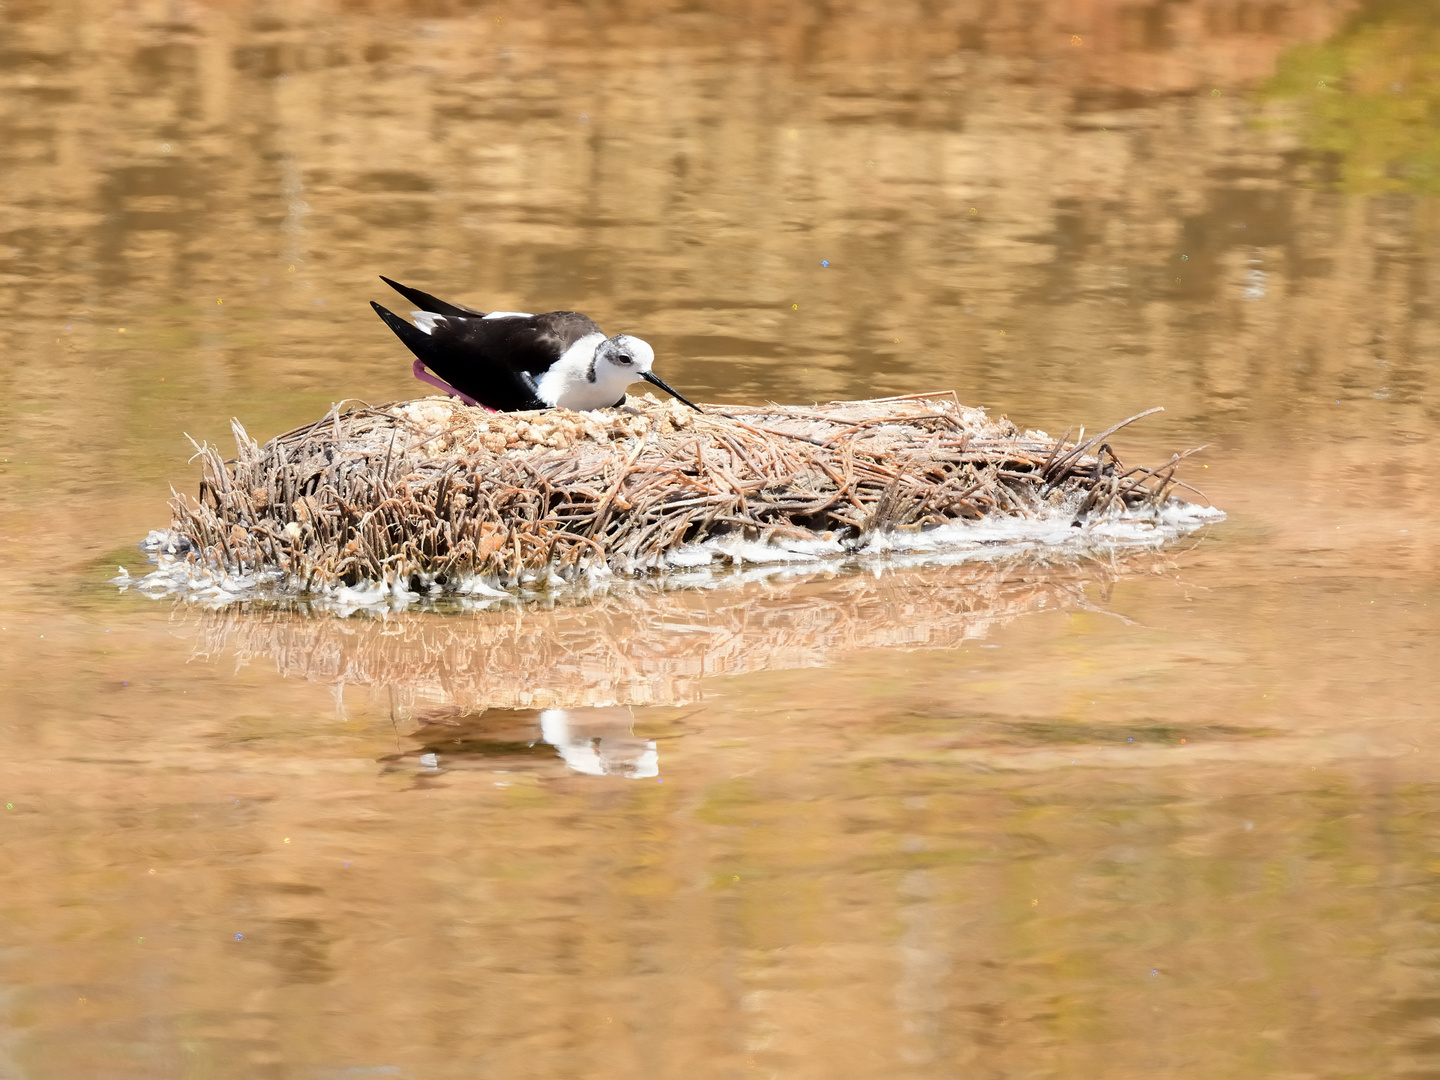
column 1175, row 815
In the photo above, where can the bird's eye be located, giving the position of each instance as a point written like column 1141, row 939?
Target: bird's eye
column 624, row 359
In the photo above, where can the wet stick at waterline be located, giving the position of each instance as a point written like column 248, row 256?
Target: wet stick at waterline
column 434, row 497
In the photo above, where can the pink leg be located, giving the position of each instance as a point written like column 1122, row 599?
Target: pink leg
column 426, row 377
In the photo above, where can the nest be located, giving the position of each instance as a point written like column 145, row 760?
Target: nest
column 432, row 495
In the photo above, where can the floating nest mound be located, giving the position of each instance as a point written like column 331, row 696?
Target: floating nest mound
column 432, row 496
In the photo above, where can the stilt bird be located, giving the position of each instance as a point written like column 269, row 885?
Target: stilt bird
column 510, row 361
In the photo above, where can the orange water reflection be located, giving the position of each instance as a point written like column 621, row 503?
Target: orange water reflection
column 1168, row 816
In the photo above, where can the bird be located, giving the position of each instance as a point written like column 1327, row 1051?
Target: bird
column 513, row 361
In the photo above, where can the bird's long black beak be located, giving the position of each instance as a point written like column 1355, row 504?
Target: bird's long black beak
column 651, row 377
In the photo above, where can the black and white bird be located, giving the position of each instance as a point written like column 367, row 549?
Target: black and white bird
column 511, row 361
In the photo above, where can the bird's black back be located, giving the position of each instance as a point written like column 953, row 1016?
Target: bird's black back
column 495, row 361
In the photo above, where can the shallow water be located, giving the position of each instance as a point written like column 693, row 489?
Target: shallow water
column 1168, row 815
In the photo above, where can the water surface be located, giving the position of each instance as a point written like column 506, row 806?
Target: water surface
column 1172, row 815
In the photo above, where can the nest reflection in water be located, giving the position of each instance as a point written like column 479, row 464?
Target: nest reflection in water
column 647, row 647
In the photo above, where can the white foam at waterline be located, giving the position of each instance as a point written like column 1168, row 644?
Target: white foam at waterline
column 719, row 561
column 1004, row 535
column 735, row 550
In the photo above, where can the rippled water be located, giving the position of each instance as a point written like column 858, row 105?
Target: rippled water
column 1168, row 816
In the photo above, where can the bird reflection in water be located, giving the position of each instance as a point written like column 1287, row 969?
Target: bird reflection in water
column 595, row 741
column 602, row 749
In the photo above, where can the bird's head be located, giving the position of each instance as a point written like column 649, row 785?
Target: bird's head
column 628, row 358
column 626, row 354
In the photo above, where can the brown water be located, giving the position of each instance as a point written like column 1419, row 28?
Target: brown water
column 1171, row 817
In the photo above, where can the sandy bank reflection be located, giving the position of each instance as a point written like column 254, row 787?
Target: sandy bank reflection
column 568, row 680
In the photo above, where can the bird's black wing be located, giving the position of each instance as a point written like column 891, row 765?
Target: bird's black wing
column 530, row 343
column 461, row 351
column 425, row 302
